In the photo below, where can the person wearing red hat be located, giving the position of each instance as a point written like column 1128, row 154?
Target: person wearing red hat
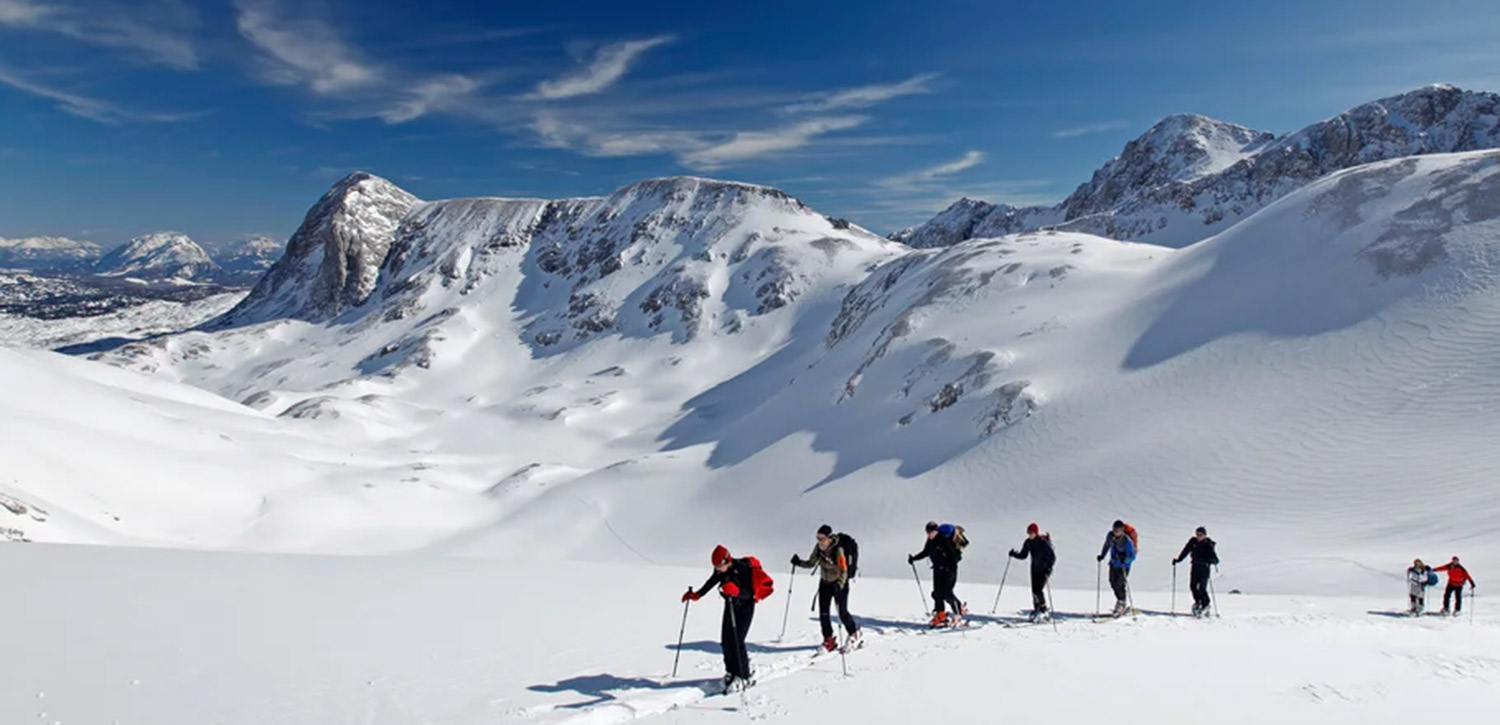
column 1038, row 548
column 736, row 584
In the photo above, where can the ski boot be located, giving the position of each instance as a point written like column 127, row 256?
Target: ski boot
column 1446, row 613
column 830, row 644
column 852, row 643
column 1121, row 608
column 939, row 619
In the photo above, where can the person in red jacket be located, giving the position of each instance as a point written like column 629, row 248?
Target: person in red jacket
column 733, row 577
column 1458, row 576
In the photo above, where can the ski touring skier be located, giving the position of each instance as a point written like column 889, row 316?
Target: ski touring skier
column 1120, row 547
column 835, row 566
column 742, row 583
column 1457, row 577
column 1038, row 548
column 1201, row 549
column 1418, row 578
column 943, row 551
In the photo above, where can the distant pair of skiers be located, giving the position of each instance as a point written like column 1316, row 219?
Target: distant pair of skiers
column 1202, row 551
column 836, row 557
column 1038, row 548
column 1420, row 576
column 944, row 549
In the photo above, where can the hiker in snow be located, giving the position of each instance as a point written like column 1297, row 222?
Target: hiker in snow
column 834, row 569
column 1457, row 577
column 1201, row 549
column 1120, row 549
column 1038, row 548
column 942, row 552
column 1418, row 578
column 736, row 584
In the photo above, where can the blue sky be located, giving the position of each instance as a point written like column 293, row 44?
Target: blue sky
column 222, row 119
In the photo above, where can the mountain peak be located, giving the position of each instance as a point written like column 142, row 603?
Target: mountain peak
column 158, row 255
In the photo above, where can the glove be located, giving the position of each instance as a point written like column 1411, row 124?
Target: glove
column 1174, row 562
column 690, row 596
column 1099, row 558
column 730, row 589
column 1014, row 554
column 911, row 558
column 796, row 560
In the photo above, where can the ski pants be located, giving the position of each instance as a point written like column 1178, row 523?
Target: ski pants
column 737, row 616
column 828, row 593
column 1454, row 590
column 1039, row 579
column 1117, row 577
column 1198, row 582
column 943, row 581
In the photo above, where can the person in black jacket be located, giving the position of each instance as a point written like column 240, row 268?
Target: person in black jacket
column 1038, row 548
column 1201, row 549
column 944, row 557
column 733, row 579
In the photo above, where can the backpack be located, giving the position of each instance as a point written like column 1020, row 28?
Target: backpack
column 851, row 552
column 956, row 534
column 760, row 581
column 1432, row 578
column 1135, row 538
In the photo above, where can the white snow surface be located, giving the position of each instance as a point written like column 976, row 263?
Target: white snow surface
column 156, row 317
column 161, row 255
column 140, row 637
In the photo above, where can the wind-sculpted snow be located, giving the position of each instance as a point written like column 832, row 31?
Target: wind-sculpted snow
column 1190, row 177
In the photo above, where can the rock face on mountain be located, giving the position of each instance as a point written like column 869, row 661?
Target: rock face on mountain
column 48, row 255
column 159, row 256
column 332, row 260
column 1190, row 177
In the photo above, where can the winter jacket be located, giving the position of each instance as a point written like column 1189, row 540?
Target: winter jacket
column 941, row 551
column 1202, row 552
column 1039, row 550
column 1416, row 580
column 1457, row 574
column 1121, row 551
column 739, row 573
column 832, row 565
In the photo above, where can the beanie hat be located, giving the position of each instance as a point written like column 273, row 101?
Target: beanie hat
column 1033, row 529
column 932, row 526
column 825, row 530
column 721, row 555
column 1203, row 531
column 1118, row 524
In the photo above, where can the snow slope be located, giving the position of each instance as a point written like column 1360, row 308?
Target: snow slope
column 153, row 317
column 48, row 254
column 159, row 256
column 719, row 362
column 255, row 639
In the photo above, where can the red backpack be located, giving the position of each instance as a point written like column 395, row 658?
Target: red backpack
column 760, row 580
column 1135, row 538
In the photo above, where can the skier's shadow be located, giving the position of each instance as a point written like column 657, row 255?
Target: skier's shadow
column 602, row 687
column 1399, row 615
column 751, row 647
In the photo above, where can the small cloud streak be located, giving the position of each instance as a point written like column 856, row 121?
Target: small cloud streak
column 750, row 144
column 159, row 29
column 866, row 96
column 94, row 109
column 1094, row 128
column 609, row 65
column 302, row 51
column 932, row 173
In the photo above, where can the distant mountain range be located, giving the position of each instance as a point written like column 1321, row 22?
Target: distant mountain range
column 155, row 257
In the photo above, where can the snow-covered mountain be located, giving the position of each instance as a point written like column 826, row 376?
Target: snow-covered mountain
column 158, row 256
column 48, row 254
column 246, row 260
column 1190, row 177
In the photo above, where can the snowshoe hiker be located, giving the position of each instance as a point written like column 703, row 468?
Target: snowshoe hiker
column 1202, row 550
column 942, row 550
column 1418, row 578
column 1119, row 546
column 1038, row 548
column 1457, row 577
column 835, row 566
column 742, row 583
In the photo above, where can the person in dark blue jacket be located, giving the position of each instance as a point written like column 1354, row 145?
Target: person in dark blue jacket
column 1121, row 552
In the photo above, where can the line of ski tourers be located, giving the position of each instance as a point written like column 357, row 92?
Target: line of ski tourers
column 743, row 582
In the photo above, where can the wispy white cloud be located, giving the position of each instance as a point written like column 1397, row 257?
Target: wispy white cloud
column 1089, row 129
column 948, row 168
column 160, row 30
column 608, row 66
column 866, row 96
column 94, row 109
column 303, row 51
column 438, row 94
column 751, row 144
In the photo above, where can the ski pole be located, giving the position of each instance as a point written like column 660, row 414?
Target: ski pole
column 790, row 580
column 1130, row 595
column 1098, row 590
column 1002, row 587
column 920, row 594
column 844, row 656
column 1051, row 605
column 1473, row 599
column 739, row 641
column 1174, row 588
column 1213, row 597
column 680, row 633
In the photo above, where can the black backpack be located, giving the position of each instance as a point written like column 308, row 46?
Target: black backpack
column 851, row 552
